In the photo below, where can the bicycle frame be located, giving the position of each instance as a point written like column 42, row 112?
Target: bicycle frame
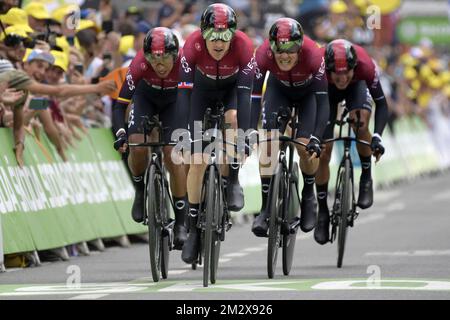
column 347, row 140
column 156, row 159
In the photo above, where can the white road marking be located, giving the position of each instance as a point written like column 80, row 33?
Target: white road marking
column 83, row 289
column 420, row 285
column 369, row 218
column 396, row 206
column 386, row 195
column 255, row 249
column 444, row 195
column 176, row 272
column 256, row 286
column 222, row 260
column 89, row 296
column 235, row 255
column 416, row 253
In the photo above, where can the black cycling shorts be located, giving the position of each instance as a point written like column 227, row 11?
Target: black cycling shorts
column 277, row 97
column 148, row 101
column 200, row 101
column 356, row 96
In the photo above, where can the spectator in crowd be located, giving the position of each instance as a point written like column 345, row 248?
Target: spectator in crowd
column 37, row 16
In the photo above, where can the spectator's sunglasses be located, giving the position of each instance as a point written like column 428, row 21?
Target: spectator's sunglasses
column 13, row 40
column 288, row 47
column 215, row 35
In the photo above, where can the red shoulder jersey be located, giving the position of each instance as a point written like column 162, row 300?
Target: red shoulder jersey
column 238, row 59
column 141, row 69
column 310, row 66
column 365, row 70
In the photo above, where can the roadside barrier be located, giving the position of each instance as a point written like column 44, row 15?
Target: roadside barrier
column 49, row 204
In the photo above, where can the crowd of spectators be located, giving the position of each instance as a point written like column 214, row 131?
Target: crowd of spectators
column 49, row 56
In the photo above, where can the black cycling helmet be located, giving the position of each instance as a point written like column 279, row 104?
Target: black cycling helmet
column 286, row 35
column 160, row 41
column 218, row 17
column 340, row 55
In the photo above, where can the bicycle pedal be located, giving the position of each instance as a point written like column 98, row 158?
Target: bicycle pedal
column 294, row 225
column 229, row 225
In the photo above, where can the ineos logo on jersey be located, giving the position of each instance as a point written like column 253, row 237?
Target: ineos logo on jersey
column 130, row 82
column 270, row 54
column 185, row 65
column 198, row 46
column 143, row 66
column 248, row 69
column 321, row 72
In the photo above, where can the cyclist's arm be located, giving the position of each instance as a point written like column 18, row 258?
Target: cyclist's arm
column 320, row 86
column 245, row 85
column 186, row 83
column 133, row 77
column 381, row 108
column 258, row 83
column 65, row 90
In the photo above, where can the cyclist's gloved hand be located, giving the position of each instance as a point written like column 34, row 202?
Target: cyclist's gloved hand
column 377, row 146
column 313, row 146
column 121, row 144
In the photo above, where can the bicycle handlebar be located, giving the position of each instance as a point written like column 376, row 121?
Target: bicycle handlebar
column 346, row 139
column 285, row 139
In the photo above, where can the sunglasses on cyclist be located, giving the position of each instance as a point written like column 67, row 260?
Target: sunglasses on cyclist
column 285, row 47
column 154, row 58
column 214, row 35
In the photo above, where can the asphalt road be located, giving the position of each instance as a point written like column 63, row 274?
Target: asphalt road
column 398, row 249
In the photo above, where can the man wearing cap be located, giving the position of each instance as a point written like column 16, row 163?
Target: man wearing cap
column 37, row 15
column 36, row 65
column 14, row 17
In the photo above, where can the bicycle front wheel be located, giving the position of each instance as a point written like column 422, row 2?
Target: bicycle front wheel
column 290, row 213
column 154, row 197
column 215, row 245
column 276, row 192
column 208, row 232
column 346, row 206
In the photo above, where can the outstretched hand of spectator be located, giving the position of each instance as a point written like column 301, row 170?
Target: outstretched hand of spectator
column 11, row 96
column 18, row 151
column 106, row 86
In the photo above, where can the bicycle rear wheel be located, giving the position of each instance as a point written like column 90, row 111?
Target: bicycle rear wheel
column 208, row 232
column 346, row 205
column 276, row 193
column 154, row 197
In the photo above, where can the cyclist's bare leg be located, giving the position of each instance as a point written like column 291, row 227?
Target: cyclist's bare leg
column 177, row 170
column 137, row 162
column 268, row 159
column 323, row 171
column 321, row 232
column 194, row 187
column 365, row 196
column 178, row 177
column 138, row 158
column 363, row 132
column 308, row 167
column 235, row 194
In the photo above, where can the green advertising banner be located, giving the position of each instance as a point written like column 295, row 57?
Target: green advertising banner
column 50, row 203
column 412, row 29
